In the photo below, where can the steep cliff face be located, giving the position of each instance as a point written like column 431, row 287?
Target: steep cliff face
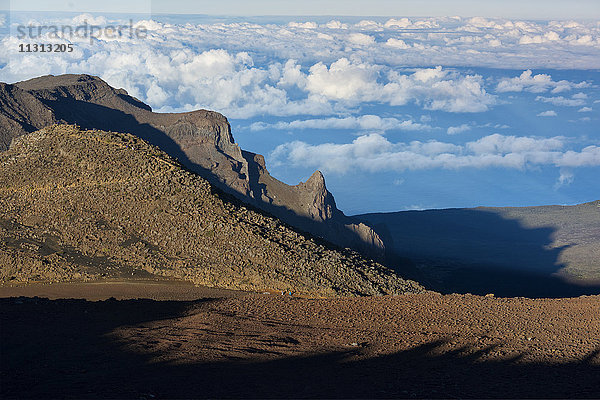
column 205, row 139
column 203, row 142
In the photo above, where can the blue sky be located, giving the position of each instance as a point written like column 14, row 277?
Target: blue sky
column 398, row 112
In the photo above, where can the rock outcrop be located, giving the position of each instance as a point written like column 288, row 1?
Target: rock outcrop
column 201, row 140
column 87, row 204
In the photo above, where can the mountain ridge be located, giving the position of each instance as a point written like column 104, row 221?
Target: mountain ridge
column 202, row 141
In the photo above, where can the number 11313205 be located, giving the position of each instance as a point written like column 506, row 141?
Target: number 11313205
column 45, row 48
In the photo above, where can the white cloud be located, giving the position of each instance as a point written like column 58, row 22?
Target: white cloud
column 500, row 144
column 565, row 178
column 155, row 94
column 89, row 19
column 585, row 109
column 369, row 25
column 547, row 37
column 439, row 89
column 397, row 43
column 374, row 152
column 585, row 40
column 361, row 39
column 454, row 130
column 480, row 22
column 588, row 157
column 175, row 78
column 335, row 24
column 364, row 122
column 406, row 23
column 303, row 25
column 549, row 113
column 432, row 88
column 561, row 101
column 536, row 84
column 344, row 80
column 495, row 126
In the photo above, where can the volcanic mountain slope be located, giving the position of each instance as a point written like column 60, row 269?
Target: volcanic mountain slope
column 77, row 204
column 508, row 247
column 20, row 112
column 200, row 140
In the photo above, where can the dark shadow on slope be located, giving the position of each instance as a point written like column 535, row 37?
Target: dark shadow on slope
column 93, row 116
column 478, row 251
column 254, row 174
column 134, row 102
column 63, row 349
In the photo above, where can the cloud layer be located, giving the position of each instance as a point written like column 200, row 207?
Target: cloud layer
column 539, row 83
column 376, row 153
column 247, row 69
column 361, row 123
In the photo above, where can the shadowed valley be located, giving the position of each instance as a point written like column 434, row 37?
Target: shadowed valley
column 549, row 251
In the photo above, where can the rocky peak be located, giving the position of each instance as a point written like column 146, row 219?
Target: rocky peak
column 316, row 182
column 320, row 202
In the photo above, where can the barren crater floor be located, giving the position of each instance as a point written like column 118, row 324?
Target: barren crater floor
column 175, row 340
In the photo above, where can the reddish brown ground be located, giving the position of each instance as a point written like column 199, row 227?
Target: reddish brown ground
column 184, row 341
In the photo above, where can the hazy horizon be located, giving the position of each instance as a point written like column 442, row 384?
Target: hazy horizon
column 537, row 9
